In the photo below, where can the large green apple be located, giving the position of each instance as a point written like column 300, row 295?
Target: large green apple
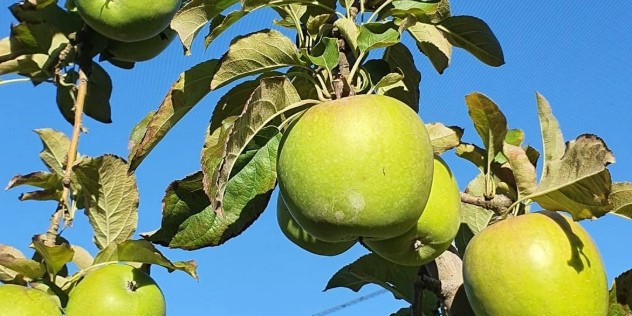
column 128, row 20
column 435, row 229
column 296, row 234
column 116, row 289
column 141, row 50
column 537, row 264
column 16, row 300
column 356, row 166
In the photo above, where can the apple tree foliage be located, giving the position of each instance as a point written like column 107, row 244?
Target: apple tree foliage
column 340, row 48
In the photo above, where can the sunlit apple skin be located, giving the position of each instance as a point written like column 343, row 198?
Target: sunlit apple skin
column 297, row 235
column 116, row 289
column 435, row 229
column 142, row 50
column 356, row 166
column 128, row 20
column 537, row 264
column 16, row 300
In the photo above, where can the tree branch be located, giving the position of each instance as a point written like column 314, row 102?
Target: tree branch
column 498, row 204
column 71, row 156
column 443, row 277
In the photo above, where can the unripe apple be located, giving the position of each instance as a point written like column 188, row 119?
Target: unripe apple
column 297, row 235
column 356, row 166
column 436, row 228
column 116, row 289
column 141, row 50
column 17, row 300
column 536, row 264
column 128, row 20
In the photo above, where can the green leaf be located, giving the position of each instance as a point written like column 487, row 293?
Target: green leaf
column 143, row 251
column 190, row 19
column 401, row 60
column 189, row 221
column 621, row 295
column 377, row 35
column 575, row 178
column 388, row 82
column 473, row 154
column 273, row 96
column 419, row 9
column 373, row 269
column 315, row 24
column 97, row 102
column 523, row 171
column 533, row 155
column 111, row 198
column 444, row 138
column 552, row 139
column 55, row 256
column 16, row 268
column 621, row 199
column 65, row 21
column 56, row 146
column 221, row 23
column 578, row 182
column 514, row 137
column 325, row 53
column 41, row 195
column 232, row 104
column 31, row 66
column 489, row 122
column 349, row 31
column 273, row 50
column 184, row 94
column 473, row 220
column 433, row 43
column 475, row 217
column 40, row 179
column 473, row 35
column 183, row 199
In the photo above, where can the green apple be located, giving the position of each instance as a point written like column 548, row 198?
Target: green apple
column 296, row 234
column 536, row 264
column 356, row 166
column 141, row 50
column 436, row 228
column 17, row 300
column 116, row 289
column 128, row 20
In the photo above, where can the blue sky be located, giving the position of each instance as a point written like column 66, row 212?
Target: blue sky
column 577, row 56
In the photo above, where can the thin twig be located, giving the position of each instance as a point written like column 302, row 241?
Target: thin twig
column 71, row 156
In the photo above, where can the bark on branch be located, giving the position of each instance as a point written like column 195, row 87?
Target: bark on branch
column 498, row 204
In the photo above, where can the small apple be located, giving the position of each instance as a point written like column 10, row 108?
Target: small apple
column 17, row 300
column 436, row 228
column 116, row 289
column 127, row 20
column 296, row 234
column 536, row 264
column 141, row 50
column 356, row 166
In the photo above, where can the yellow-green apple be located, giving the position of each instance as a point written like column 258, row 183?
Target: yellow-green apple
column 356, row 166
column 436, row 228
column 536, row 264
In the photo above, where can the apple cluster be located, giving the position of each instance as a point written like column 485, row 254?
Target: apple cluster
column 363, row 168
column 134, row 30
